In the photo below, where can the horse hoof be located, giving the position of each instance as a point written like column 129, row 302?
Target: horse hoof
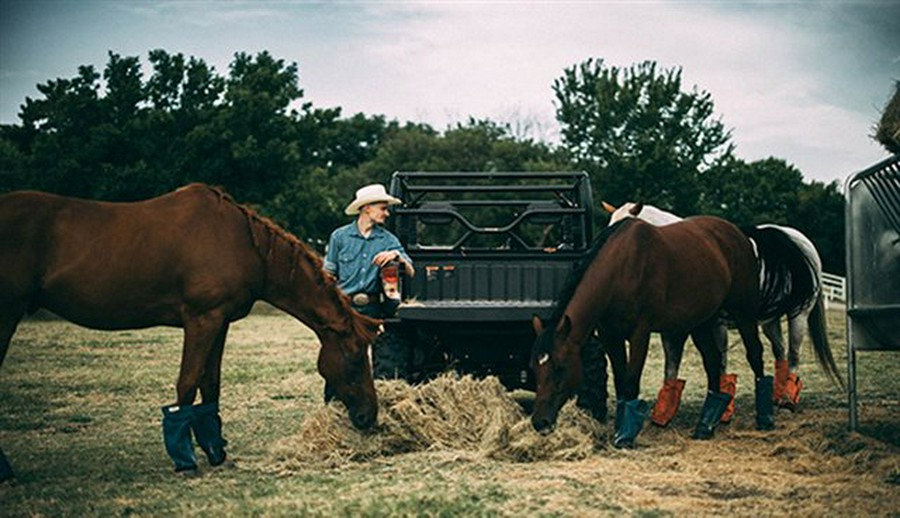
column 225, row 464
column 766, row 426
column 787, row 405
column 702, row 435
column 188, row 473
column 624, row 443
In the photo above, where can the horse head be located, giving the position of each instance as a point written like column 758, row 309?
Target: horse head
column 345, row 364
column 649, row 213
column 556, row 361
column 628, row 210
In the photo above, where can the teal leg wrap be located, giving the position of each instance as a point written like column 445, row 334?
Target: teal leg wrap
column 207, row 426
column 711, row 414
column 630, row 417
column 765, row 409
column 176, row 425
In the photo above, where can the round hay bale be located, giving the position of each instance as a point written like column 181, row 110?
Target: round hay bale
column 450, row 413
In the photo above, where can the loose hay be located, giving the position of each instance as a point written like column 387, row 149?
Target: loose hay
column 449, row 413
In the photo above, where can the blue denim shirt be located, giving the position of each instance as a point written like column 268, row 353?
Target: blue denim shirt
column 349, row 257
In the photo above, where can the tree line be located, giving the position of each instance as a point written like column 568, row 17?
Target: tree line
column 638, row 132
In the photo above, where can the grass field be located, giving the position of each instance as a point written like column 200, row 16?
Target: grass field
column 80, row 422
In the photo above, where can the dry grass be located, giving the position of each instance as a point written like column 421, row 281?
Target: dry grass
column 79, row 419
column 448, row 414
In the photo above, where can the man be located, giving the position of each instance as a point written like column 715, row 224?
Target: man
column 357, row 251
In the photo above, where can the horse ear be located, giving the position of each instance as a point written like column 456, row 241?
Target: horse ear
column 537, row 324
column 565, row 327
column 637, row 208
column 609, row 208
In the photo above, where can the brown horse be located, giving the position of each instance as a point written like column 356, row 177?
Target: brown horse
column 640, row 279
column 194, row 259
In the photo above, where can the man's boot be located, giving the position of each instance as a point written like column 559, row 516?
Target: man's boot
column 765, row 409
column 207, row 426
column 728, row 385
column 711, row 414
column 630, row 417
column 667, row 402
column 176, row 426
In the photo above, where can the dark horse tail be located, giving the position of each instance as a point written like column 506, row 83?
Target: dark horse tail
column 819, row 335
column 789, row 280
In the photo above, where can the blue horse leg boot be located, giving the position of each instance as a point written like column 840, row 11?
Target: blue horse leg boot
column 630, row 417
column 6, row 471
column 207, row 426
column 765, row 409
column 711, row 414
column 176, row 425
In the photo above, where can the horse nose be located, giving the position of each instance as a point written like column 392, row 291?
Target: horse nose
column 542, row 425
column 364, row 420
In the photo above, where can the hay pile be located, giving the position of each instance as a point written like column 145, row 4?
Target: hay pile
column 449, row 413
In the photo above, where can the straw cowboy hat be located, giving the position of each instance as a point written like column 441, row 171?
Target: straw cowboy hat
column 374, row 193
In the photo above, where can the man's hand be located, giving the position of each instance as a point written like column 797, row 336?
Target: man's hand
column 383, row 258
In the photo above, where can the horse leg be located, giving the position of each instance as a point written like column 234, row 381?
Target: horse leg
column 772, row 330
column 716, row 402
column 797, row 329
column 207, row 424
column 765, row 411
column 200, row 334
column 728, row 381
column 632, row 410
column 8, row 324
column 669, row 397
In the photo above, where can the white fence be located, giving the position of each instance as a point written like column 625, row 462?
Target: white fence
column 834, row 287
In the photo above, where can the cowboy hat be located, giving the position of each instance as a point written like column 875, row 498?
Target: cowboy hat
column 374, row 193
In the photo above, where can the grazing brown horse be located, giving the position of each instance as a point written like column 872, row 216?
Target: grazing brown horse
column 194, row 259
column 640, row 279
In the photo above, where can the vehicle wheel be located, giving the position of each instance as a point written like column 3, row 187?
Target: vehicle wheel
column 592, row 394
column 391, row 355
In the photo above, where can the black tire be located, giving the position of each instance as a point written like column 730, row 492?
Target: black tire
column 593, row 393
column 392, row 355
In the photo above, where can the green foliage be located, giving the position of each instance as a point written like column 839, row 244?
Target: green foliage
column 888, row 130
column 773, row 191
column 637, row 133
column 764, row 191
column 118, row 135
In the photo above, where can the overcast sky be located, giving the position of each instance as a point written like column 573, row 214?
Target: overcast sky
column 802, row 81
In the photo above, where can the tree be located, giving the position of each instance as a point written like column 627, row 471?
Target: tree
column 773, row 191
column 764, row 191
column 888, row 130
column 637, row 133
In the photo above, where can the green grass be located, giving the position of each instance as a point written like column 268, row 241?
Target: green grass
column 80, row 422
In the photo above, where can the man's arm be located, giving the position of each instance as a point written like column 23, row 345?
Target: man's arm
column 330, row 263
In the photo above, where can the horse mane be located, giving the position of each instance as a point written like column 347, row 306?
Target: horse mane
column 789, row 278
column 577, row 273
column 357, row 323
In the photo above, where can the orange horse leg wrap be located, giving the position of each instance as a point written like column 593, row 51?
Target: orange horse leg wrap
column 728, row 385
column 791, row 397
column 781, row 377
column 667, row 402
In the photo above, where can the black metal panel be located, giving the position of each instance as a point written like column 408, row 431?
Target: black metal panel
column 873, row 257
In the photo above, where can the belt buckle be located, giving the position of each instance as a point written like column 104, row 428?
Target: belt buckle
column 361, row 299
